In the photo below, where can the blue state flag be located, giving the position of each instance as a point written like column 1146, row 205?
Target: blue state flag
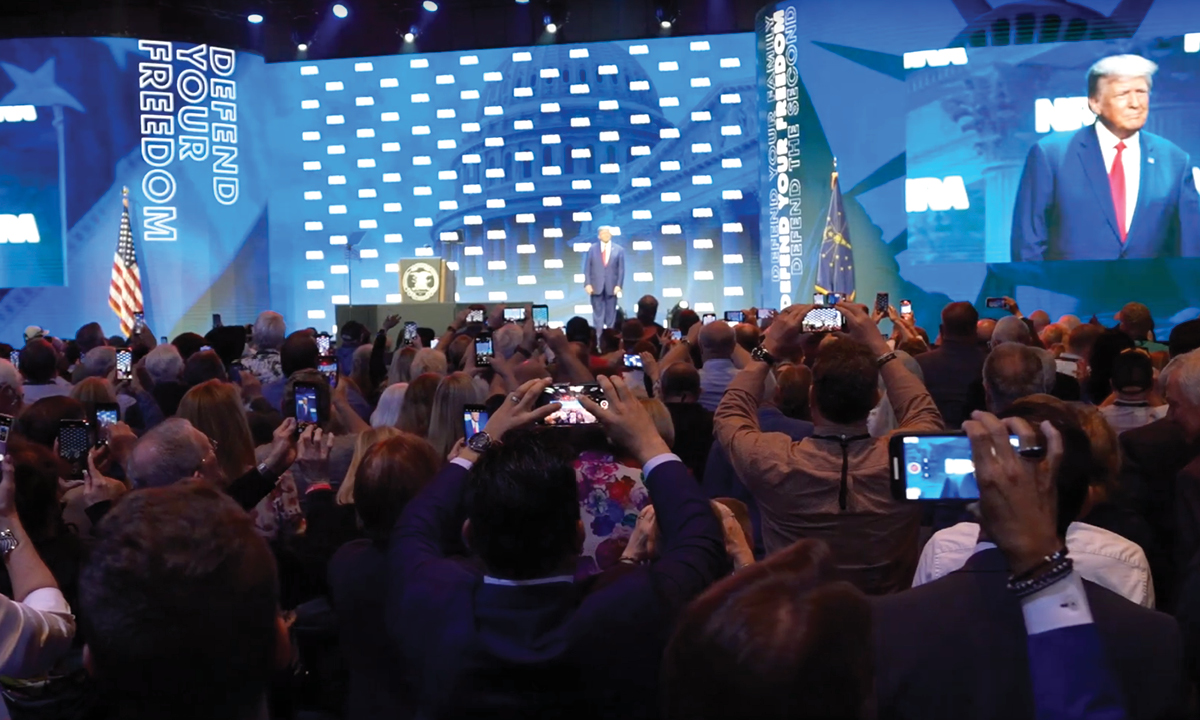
column 835, row 268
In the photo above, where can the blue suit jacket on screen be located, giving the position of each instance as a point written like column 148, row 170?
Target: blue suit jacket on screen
column 604, row 279
column 1064, row 208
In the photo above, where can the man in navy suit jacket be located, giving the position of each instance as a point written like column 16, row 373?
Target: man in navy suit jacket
column 1112, row 190
column 515, row 636
column 603, row 276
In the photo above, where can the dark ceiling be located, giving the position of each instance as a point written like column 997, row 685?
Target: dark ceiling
column 374, row 27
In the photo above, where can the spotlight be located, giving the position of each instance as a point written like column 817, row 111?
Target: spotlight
column 254, row 18
column 409, row 37
column 340, row 10
column 551, row 28
column 302, row 47
column 430, row 5
column 667, row 13
column 666, row 24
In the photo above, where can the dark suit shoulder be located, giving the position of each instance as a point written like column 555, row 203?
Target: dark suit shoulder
column 1160, row 147
column 1056, row 145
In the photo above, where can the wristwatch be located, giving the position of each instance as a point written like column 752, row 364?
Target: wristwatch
column 8, row 542
column 761, row 355
column 885, row 358
column 480, row 442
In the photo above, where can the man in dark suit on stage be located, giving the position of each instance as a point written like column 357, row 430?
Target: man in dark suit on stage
column 1109, row 191
column 604, row 274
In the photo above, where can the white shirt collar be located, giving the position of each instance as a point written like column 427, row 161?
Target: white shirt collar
column 1109, row 141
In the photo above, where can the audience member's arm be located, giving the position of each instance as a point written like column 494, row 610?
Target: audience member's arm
column 378, row 368
column 682, row 350
column 565, row 356
column 740, row 357
column 35, row 630
column 912, row 403
column 352, row 422
column 443, row 343
column 251, row 488
column 432, row 515
column 692, row 551
column 1070, row 676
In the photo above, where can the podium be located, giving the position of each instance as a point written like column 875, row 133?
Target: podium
column 426, row 281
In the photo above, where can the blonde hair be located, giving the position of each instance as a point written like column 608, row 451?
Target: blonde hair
column 90, row 391
column 215, row 409
column 662, row 420
column 366, row 438
column 401, row 365
column 446, row 422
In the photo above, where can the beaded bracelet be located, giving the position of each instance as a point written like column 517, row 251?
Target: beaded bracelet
column 1025, row 588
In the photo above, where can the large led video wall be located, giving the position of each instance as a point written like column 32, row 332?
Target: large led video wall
column 507, row 162
column 301, row 186
column 964, row 143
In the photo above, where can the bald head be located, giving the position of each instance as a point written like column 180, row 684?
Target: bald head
column 717, row 340
column 958, row 321
column 1040, row 319
column 1136, row 321
column 1013, row 371
column 1011, row 330
column 1070, row 322
column 984, row 329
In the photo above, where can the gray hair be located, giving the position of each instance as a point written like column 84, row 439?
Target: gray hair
column 507, row 339
column 1120, row 66
column 1187, row 368
column 269, row 331
column 168, row 453
column 387, row 412
column 1011, row 329
column 164, row 363
column 428, row 361
column 10, row 376
column 1049, row 367
column 97, row 362
column 1013, row 371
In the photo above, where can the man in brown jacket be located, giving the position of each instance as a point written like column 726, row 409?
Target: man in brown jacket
column 836, row 485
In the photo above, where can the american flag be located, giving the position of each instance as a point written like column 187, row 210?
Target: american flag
column 125, row 292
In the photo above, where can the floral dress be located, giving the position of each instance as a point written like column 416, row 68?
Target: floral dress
column 611, row 494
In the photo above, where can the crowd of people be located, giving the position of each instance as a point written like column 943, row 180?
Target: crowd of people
column 260, row 537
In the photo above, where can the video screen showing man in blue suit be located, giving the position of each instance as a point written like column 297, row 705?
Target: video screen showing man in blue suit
column 1110, row 190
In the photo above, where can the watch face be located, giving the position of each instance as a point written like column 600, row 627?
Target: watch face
column 479, row 442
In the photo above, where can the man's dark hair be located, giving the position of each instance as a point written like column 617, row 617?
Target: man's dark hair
column 524, row 507
column 631, row 334
column 792, row 385
column 845, row 382
column 1013, row 371
column 188, row 344
column 204, row 366
column 299, row 352
column 1104, row 353
column 776, row 641
column 1076, row 470
column 90, row 336
column 647, row 309
column 39, row 422
column 959, row 320
column 610, row 341
column 680, row 379
column 578, row 330
column 354, row 333
column 179, row 603
column 1132, row 371
column 685, row 319
column 427, row 336
column 228, row 341
column 39, row 362
column 1185, row 337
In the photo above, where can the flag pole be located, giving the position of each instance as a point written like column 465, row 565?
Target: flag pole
column 833, row 179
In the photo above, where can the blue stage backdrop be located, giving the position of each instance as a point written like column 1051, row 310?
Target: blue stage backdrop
column 507, row 162
column 930, row 114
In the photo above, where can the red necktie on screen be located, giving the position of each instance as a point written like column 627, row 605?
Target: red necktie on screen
column 604, row 247
column 1116, row 181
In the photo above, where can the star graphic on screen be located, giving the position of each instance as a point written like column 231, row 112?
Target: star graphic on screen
column 119, row 47
column 37, row 88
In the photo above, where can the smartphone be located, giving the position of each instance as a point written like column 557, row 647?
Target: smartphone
column 676, row 334
column 823, row 320
column 74, row 441
column 734, row 316
column 104, row 415
column 163, row 340
column 475, row 315
column 572, row 411
column 139, row 322
column 328, row 366
column 124, row 364
column 483, row 349
column 935, row 466
column 307, row 410
column 475, row 417
column 6, row 422
column 706, row 318
column 541, row 317
column 409, row 334
column 514, row 314
column 765, row 315
column 905, row 308
column 14, row 357
column 323, row 341
column 633, row 362
column 998, row 303
column 882, row 302
column 217, row 320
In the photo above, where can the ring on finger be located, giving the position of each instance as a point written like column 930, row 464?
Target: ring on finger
column 515, row 398
column 1033, row 452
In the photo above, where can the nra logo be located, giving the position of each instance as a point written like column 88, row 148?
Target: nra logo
column 935, row 58
column 935, row 194
column 17, row 113
column 19, row 229
column 1066, row 114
